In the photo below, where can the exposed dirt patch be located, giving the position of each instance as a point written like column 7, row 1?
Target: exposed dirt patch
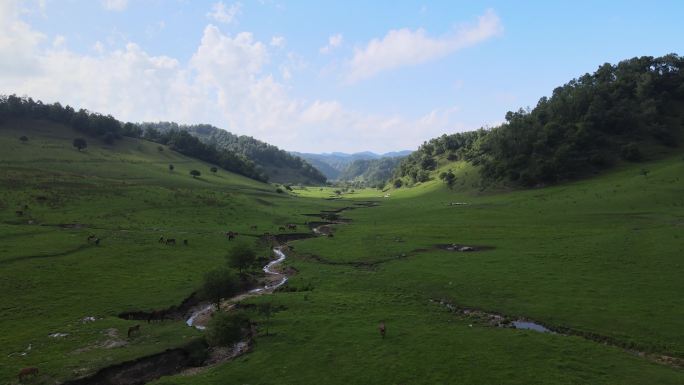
column 461, row 248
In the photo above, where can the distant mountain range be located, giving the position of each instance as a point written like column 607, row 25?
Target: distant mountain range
column 335, row 165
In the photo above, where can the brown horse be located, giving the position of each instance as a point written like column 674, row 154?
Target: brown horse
column 133, row 329
column 26, row 373
column 231, row 235
column 291, row 226
column 91, row 237
column 253, row 227
column 171, row 241
column 382, row 329
column 281, row 228
column 161, row 239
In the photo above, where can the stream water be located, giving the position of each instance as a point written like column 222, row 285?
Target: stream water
column 203, row 312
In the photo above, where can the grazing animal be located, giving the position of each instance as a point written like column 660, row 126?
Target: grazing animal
column 171, row 241
column 330, row 235
column 97, row 241
column 91, row 237
column 383, row 329
column 27, row 372
column 19, row 213
column 161, row 239
column 291, row 226
column 281, row 228
column 185, row 242
column 231, row 235
column 133, row 329
column 253, row 227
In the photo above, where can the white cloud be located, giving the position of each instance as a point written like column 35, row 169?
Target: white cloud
column 224, row 14
column 334, row 41
column 114, row 5
column 278, row 41
column 226, row 82
column 404, row 47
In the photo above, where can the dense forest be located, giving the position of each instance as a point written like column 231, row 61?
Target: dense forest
column 623, row 112
column 335, row 165
column 109, row 129
column 370, row 172
column 277, row 164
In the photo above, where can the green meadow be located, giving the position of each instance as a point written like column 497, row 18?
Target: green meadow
column 602, row 256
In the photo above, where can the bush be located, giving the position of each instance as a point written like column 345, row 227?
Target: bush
column 195, row 173
column 398, row 183
column 631, row 152
column 23, row 138
column 225, row 329
column 280, row 191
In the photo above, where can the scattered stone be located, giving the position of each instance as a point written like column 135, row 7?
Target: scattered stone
column 58, row 335
column 88, row 319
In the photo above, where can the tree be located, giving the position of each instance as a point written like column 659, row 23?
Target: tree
column 213, row 170
column 266, row 310
column 448, row 177
column 226, row 329
column 80, row 143
column 218, row 284
column 195, row 173
column 398, row 183
column 109, row 138
column 241, row 257
column 171, row 167
column 23, row 138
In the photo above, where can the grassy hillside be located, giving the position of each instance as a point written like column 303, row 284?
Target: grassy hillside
column 51, row 278
column 601, row 256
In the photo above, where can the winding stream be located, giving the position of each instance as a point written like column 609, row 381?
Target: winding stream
column 202, row 313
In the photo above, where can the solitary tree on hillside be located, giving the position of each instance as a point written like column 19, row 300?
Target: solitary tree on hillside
column 23, row 138
column 266, row 310
column 171, row 167
column 80, row 143
column 213, row 169
column 226, row 329
column 448, row 177
column 195, row 173
column 218, row 284
column 241, row 257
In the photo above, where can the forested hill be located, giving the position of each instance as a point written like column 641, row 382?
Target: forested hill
column 334, row 165
column 370, row 172
column 630, row 111
column 109, row 129
column 278, row 165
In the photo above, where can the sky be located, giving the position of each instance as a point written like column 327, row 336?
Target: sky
column 318, row 76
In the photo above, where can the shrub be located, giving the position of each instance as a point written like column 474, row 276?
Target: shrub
column 225, row 329
column 195, row 173
column 631, row 152
column 80, row 143
column 219, row 284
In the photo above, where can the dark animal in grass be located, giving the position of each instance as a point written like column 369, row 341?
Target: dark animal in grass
column 161, row 239
column 253, row 227
column 19, row 213
column 26, row 207
column 231, row 235
column 171, row 241
column 97, row 241
column 91, row 238
column 185, row 242
column 26, row 373
column 383, row 329
column 133, row 329
column 281, row 228
column 330, row 235
column 156, row 315
column 291, row 226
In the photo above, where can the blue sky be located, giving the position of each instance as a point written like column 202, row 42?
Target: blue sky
column 320, row 76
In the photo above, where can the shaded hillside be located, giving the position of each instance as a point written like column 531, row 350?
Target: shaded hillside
column 279, row 165
column 626, row 112
column 370, row 172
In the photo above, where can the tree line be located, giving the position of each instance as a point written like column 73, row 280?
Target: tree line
column 621, row 112
column 109, row 129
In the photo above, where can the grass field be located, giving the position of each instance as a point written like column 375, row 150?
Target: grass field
column 601, row 256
